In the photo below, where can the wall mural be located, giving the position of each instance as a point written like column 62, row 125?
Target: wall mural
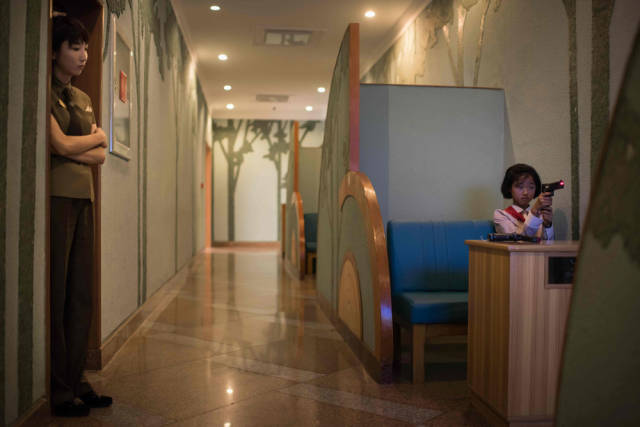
column 156, row 19
column 236, row 138
column 443, row 24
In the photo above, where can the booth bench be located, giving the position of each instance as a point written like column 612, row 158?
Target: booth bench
column 428, row 266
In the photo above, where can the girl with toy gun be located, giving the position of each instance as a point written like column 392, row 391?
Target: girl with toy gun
column 522, row 219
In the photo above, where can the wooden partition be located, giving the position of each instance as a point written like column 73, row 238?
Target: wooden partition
column 353, row 273
column 295, row 243
column 293, row 234
column 364, row 293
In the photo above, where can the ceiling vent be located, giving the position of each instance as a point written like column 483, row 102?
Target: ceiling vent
column 289, row 37
column 286, row 37
column 272, row 98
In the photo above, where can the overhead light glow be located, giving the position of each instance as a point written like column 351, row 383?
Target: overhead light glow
column 369, row 14
column 215, row 8
column 308, row 108
column 230, row 107
column 229, row 390
column 321, row 89
column 227, row 87
column 223, row 57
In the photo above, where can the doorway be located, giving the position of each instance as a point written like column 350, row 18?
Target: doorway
column 90, row 13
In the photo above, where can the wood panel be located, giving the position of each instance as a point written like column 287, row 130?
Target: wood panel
column 538, row 319
column 295, row 260
column 488, row 329
column 358, row 186
column 516, row 330
column 349, row 297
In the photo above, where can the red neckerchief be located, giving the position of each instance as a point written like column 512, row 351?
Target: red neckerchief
column 514, row 213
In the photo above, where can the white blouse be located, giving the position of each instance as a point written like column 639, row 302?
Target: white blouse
column 532, row 226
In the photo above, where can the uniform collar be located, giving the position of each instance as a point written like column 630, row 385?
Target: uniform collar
column 519, row 209
column 58, row 87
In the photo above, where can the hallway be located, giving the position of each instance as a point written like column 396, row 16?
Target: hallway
column 233, row 341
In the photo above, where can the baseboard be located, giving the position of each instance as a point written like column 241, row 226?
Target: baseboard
column 97, row 359
column 28, row 417
column 380, row 372
column 225, row 244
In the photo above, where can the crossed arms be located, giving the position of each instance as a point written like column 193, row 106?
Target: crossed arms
column 87, row 149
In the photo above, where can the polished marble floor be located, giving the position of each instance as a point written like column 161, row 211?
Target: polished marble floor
column 237, row 342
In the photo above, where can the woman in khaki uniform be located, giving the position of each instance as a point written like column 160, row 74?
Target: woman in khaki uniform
column 76, row 143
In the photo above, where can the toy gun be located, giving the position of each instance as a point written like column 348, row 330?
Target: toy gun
column 552, row 186
column 512, row 237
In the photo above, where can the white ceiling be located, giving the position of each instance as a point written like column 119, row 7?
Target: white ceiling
column 295, row 71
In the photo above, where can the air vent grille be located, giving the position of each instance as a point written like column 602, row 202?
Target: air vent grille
column 273, row 37
column 272, row 98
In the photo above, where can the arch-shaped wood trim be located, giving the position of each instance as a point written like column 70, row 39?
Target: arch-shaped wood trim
column 296, row 202
column 357, row 185
column 353, row 319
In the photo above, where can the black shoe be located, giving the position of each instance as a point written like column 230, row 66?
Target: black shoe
column 92, row 400
column 71, row 409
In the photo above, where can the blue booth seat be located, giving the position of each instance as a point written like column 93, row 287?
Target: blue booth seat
column 310, row 239
column 428, row 266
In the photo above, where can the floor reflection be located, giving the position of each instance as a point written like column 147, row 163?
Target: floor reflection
column 239, row 342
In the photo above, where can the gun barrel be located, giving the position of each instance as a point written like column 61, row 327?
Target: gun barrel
column 552, row 186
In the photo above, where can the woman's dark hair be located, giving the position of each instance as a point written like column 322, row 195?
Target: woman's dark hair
column 514, row 173
column 66, row 28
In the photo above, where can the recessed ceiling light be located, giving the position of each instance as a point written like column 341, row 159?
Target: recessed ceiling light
column 369, row 14
column 215, row 8
column 230, row 106
column 227, row 87
column 308, row 108
column 321, row 89
column 223, row 57
column 229, row 390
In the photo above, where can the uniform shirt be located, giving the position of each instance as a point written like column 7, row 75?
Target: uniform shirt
column 72, row 109
column 532, row 226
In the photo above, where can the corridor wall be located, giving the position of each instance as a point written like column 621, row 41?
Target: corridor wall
column 560, row 64
column 153, row 203
column 152, row 208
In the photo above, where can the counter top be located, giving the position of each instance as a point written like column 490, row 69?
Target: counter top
column 544, row 246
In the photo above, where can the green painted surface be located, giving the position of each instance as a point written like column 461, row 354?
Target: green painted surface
column 28, row 205
column 601, row 12
column 353, row 238
column 601, row 366
column 4, row 113
column 570, row 8
column 334, row 166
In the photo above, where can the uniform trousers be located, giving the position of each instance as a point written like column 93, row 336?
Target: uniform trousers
column 71, row 295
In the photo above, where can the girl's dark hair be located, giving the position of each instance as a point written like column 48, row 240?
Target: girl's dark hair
column 66, row 28
column 514, row 173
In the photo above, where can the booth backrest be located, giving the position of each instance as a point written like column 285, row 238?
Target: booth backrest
column 431, row 256
column 311, row 231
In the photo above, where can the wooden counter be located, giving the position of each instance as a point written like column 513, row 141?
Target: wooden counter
column 518, row 308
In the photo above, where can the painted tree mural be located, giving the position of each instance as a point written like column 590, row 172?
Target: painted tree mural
column 237, row 138
column 155, row 19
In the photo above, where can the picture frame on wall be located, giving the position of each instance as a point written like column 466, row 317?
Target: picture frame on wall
column 120, row 99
